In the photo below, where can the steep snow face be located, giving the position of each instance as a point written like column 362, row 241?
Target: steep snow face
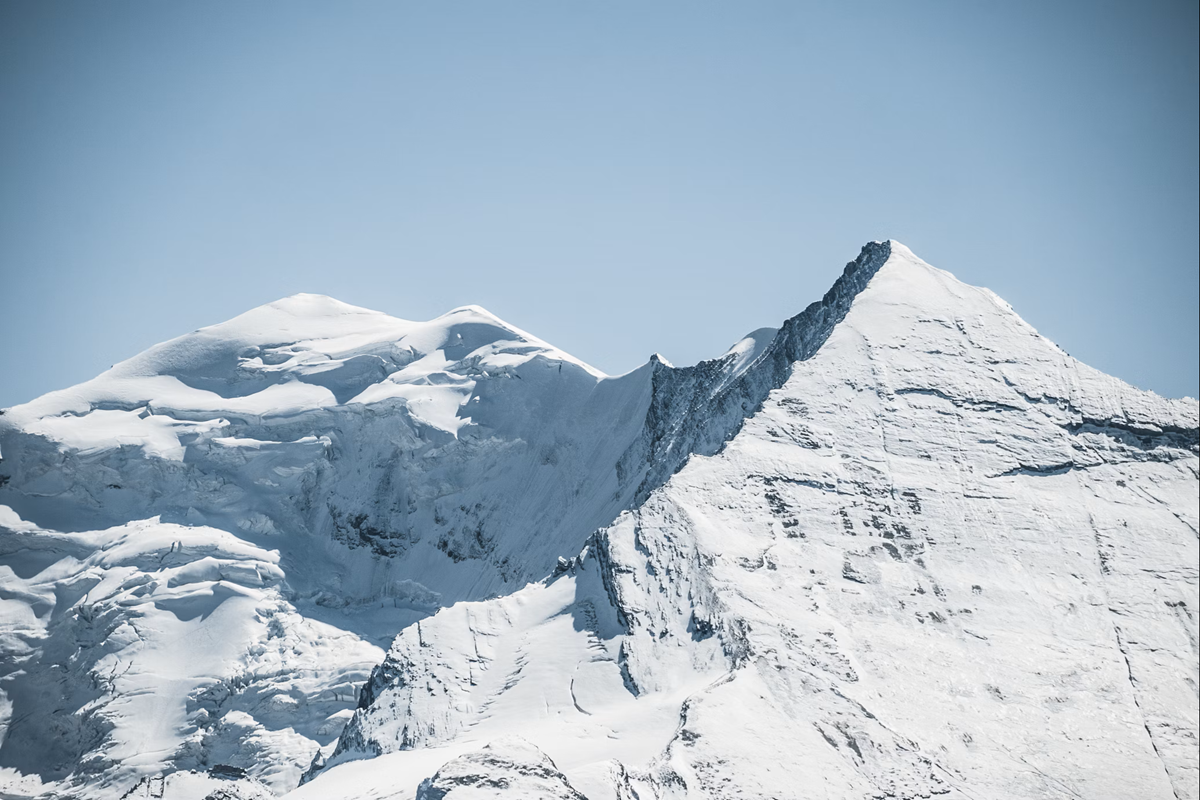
column 417, row 461
column 382, row 468
column 542, row 663
column 942, row 559
column 698, row 409
column 152, row 643
column 291, row 489
column 311, row 414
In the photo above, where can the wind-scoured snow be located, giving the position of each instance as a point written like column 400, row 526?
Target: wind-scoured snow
column 299, row 354
column 383, row 468
column 944, row 559
column 900, row 547
column 542, row 663
column 154, row 643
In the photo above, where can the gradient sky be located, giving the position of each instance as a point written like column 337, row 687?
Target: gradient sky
column 617, row 178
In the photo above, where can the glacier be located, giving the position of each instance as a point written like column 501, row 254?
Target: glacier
column 901, row 546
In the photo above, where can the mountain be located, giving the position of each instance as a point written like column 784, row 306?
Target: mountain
column 902, row 546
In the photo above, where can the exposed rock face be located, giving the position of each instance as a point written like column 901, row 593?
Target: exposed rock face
column 698, row 409
column 220, row 783
column 938, row 562
column 901, row 547
column 943, row 559
column 508, row 767
column 382, row 468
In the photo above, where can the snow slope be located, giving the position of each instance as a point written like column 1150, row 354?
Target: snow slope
column 152, row 643
column 901, row 546
column 943, row 559
column 377, row 465
column 383, row 468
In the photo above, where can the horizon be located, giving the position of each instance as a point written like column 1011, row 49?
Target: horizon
column 607, row 374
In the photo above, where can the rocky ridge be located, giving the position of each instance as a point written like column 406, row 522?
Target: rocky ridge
column 943, row 559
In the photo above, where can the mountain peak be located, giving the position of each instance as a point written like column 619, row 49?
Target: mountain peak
column 898, row 248
column 304, row 297
column 236, row 518
column 473, row 309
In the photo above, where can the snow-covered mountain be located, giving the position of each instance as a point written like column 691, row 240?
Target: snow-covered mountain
column 903, row 546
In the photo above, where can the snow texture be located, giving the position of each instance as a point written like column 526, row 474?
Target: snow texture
column 901, row 547
column 508, row 767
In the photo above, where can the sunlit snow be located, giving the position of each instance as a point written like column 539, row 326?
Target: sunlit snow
column 902, row 546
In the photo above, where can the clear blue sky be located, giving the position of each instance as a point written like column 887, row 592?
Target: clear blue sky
column 618, row 178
